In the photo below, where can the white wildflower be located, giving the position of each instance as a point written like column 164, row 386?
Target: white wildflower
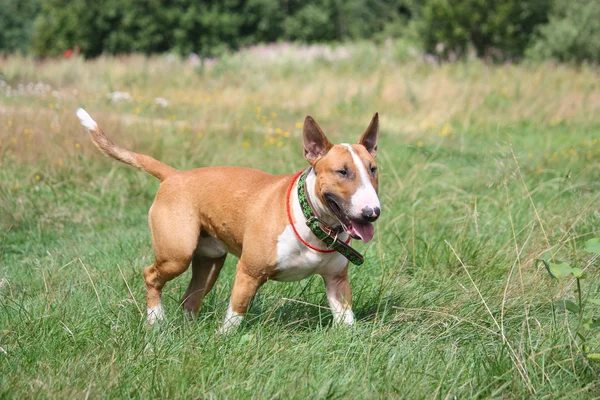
column 161, row 101
column 119, row 97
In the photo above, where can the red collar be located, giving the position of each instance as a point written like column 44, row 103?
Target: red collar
column 291, row 221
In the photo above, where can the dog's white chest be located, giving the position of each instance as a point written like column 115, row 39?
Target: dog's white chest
column 295, row 261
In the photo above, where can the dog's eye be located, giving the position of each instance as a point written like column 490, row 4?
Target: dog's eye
column 373, row 170
column 342, row 172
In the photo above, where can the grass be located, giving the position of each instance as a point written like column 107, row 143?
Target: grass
column 483, row 168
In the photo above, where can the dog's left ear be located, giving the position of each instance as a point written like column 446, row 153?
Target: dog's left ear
column 369, row 138
column 316, row 143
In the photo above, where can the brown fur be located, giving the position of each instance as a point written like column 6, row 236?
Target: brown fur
column 243, row 208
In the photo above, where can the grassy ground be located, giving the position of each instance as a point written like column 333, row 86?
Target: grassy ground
column 482, row 168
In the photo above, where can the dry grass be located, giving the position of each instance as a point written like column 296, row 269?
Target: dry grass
column 483, row 168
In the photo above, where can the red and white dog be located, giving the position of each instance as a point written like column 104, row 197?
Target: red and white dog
column 200, row 215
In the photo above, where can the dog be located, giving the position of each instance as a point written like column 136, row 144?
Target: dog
column 283, row 228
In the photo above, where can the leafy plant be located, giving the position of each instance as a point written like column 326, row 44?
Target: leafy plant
column 16, row 24
column 495, row 30
column 562, row 270
column 572, row 33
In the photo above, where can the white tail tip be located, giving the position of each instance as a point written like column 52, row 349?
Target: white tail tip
column 86, row 120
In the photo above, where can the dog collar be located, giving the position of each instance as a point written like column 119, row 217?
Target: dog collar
column 324, row 232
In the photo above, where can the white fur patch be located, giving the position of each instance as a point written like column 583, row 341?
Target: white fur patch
column 295, row 261
column 232, row 320
column 365, row 195
column 155, row 314
column 85, row 119
column 340, row 313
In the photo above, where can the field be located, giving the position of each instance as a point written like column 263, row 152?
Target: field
column 482, row 170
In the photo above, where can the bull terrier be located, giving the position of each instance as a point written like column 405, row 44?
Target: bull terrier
column 283, row 228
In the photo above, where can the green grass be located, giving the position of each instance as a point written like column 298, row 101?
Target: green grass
column 482, row 168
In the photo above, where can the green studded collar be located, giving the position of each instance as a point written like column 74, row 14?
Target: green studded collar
column 320, row 229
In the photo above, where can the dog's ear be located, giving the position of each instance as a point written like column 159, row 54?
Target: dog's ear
column 369, row 138
column 316, row 144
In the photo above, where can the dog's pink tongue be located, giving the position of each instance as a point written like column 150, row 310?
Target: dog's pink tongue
column 362, row 230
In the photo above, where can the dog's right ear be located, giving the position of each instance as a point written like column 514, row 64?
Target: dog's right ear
column 316, row 144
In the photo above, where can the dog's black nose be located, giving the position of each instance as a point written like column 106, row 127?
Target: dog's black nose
column 371, row 214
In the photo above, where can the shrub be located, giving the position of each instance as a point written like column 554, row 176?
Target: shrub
column 497, row 30
column 16, row 24
column 572, row 33
column 207, row 28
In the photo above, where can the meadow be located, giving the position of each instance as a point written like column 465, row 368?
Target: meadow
column 483, row 169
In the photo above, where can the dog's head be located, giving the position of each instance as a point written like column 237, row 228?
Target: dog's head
column 346, row 177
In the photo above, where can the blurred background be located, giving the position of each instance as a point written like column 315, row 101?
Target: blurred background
column 510, row 30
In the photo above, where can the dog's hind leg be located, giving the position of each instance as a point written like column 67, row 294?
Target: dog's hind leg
column 205, row 271
column 156, row 275
column 174, row 240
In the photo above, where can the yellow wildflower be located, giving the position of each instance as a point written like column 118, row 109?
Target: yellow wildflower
column 446, row 129
column 299, row 125
column 419, row 143
column 246, row 144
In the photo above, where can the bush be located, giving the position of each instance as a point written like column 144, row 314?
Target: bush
column 207, row 28
column 497, row 30
column 16, row 24
column 572, row 33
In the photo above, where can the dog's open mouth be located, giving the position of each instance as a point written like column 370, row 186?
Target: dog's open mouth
column 358, row 229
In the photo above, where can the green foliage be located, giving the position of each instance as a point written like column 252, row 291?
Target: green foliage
column 325, row 20
column 16, row 24
column 593, row 246
column 587, row 324
column 73, row 243
column 564, row 30
column 572, row 33
column 207, row 28
column 495, row 30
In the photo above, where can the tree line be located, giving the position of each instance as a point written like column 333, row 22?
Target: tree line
column 565, row 30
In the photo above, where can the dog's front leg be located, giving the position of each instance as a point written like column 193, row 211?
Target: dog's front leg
column 339, row 296
column 244, row 289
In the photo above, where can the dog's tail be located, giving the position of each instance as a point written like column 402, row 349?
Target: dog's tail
column 158, row 169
